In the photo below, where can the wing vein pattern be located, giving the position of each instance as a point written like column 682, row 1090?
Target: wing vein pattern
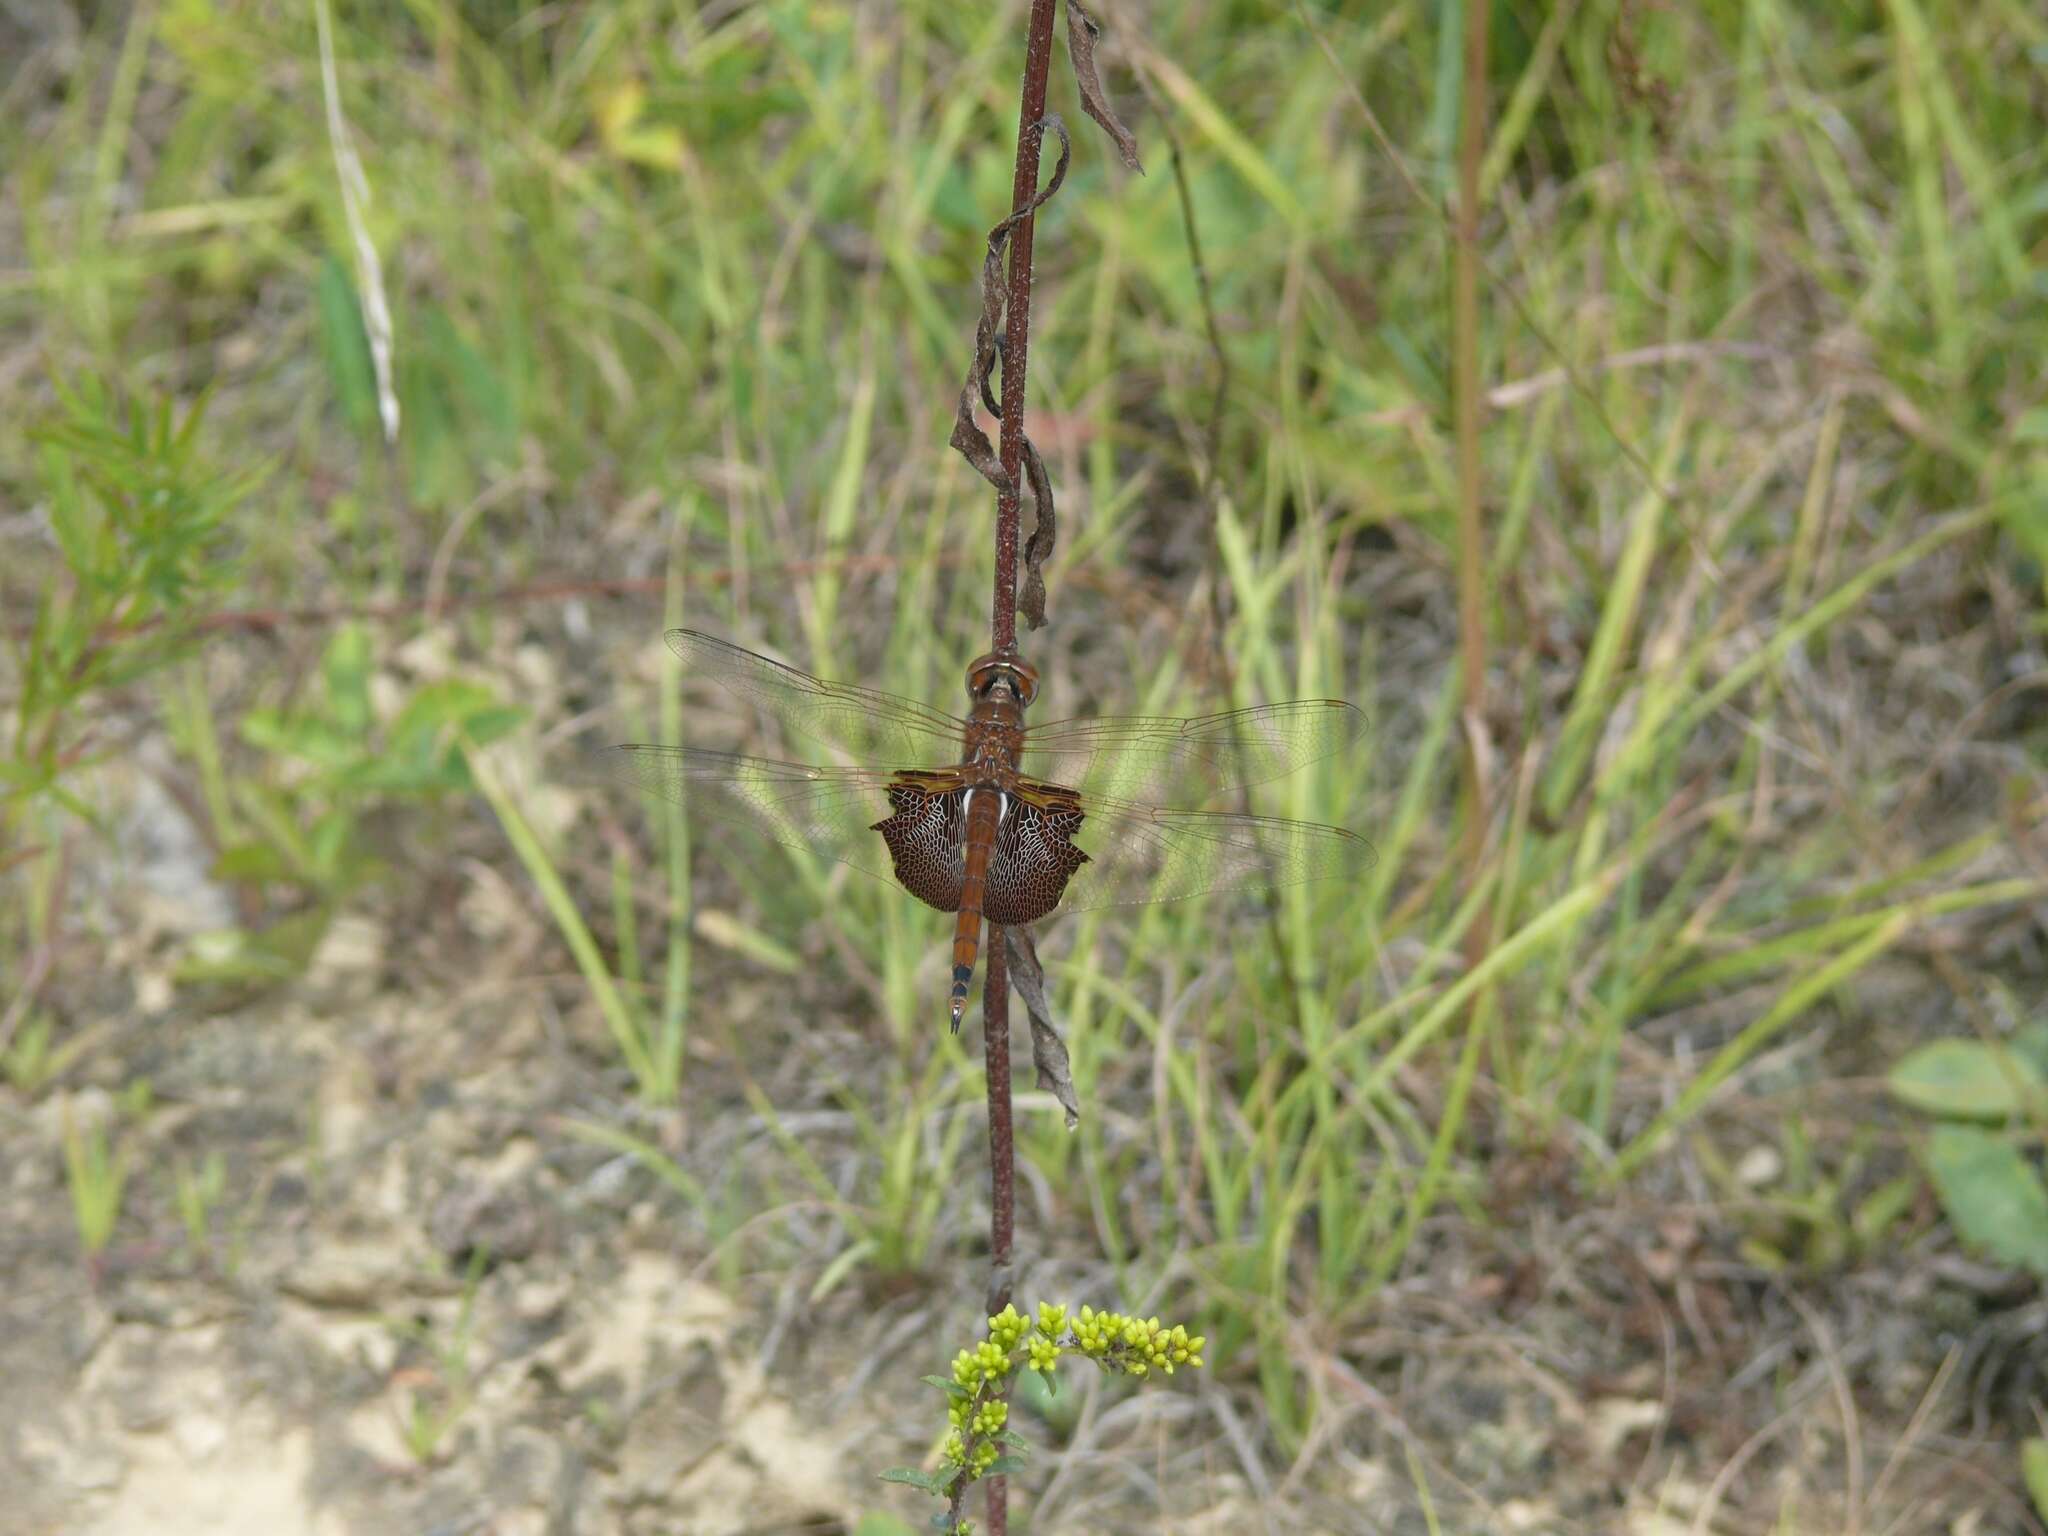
column 1163, row 761
column 865, row 723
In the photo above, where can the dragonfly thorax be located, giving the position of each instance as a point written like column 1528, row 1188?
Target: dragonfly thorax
column 989, row 754
column 1002, row 685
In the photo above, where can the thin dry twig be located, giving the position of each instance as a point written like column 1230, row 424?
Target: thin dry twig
column 1845, row 1405
column 1212, row 443
column 1580, row 386
column 1471, row 526
column 1208, row 474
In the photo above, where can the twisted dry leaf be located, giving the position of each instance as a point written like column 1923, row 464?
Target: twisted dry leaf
column 1048, row 1050
column 971, row 442
column 1083, row 33
column 1037, row 548
column 1044, row 527
column 968, row 438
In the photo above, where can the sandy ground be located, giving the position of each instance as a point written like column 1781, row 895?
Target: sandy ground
column 330, row 1360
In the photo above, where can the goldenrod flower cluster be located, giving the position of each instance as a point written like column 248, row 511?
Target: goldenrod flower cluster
column 978, row 1415
column 980, row 1419
column 987, row 1361
column 1135, row 1345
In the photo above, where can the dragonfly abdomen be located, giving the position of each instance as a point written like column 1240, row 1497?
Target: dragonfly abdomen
column 986, row 810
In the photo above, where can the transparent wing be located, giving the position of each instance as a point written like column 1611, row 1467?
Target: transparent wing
column 829, row 811
column 1136, row 853
column 1140, row 853
column 1161, row 760
column 865, row 723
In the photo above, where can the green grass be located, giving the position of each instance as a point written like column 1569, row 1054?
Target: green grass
column 687, row 302
column 96, row 1174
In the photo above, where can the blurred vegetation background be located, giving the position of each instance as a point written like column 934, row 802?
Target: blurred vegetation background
column 1681, row 1157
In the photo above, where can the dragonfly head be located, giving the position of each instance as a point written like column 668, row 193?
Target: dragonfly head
column 1003, row 676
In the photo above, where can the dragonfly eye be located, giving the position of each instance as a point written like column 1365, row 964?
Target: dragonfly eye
column 1018, row 673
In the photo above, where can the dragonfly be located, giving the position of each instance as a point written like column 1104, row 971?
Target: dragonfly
column 1002, row 822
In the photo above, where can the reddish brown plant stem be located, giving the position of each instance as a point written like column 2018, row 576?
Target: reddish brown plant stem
column 995, row 1002
column 1002, row 1177
column 995, row 987
column 1017, row 323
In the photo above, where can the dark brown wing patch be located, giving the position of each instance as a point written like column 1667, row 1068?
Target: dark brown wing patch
column 927, row 837
column 1034, row 855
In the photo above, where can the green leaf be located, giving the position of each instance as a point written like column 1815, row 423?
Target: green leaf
column 472, row 382
column 346, row 669
column 2031, row 1046
column 1964, row 1080
column 1992, row 1196
column 2034, row 1472
column 493, row 722
column 329, row 842
column 347, row 347
column 450, row 701
column 437, row 468
column 251, row 863
column 1877, row 1211
column 235, row 957
column 1003, row 1466
column 914, row 1478
column 311, row 737
column 947, row 1385
column 422, row 754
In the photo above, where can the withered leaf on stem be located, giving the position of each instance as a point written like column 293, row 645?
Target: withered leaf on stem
column 1037, row 548
column 1083, row 32
column 1044, row 524
column 1048, row 1050
column 968, row 438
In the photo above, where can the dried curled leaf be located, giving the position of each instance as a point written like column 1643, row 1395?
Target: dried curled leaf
column 1048, row 1050
column 1044, row 527
column 1053, row 123
column 968, row 438
column 1083, row 33
column 973, row 445
column 1037, row 548
column 971, row 442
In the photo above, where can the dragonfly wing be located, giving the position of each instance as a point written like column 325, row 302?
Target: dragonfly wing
column 828, row 811
column 865, row 723
column 1139, row 853
column 1163, row 760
